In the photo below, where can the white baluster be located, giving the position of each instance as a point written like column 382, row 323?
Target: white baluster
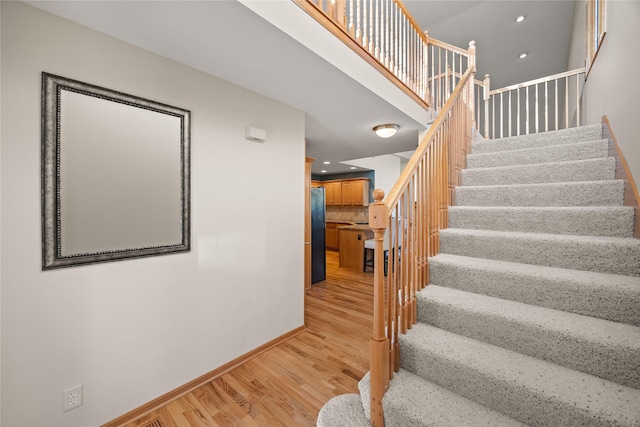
column 556, row 103
column 537, row 119
column 527, row 111
column 577, row 101
column 371, row 28
column 358, row 22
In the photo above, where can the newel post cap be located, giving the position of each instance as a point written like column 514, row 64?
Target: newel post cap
column 378, row 211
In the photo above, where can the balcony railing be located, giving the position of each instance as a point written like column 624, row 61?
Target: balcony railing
column 540, row 105
column 386, row 35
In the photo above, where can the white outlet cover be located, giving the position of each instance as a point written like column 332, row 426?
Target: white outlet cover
column 72, row 398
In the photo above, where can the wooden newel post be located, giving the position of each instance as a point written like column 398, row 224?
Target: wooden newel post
column 379, row 345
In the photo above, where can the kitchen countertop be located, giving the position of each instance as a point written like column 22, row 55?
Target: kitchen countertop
column 356, row 227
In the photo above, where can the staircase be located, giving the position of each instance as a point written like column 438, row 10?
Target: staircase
column 532, row 315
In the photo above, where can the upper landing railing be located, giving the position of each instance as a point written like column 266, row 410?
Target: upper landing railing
column 540, row 105
column 386, row 35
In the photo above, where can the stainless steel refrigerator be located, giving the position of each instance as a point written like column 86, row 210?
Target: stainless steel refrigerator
column 318, row 255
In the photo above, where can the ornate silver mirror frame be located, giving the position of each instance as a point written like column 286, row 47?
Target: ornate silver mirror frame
column 115, row 175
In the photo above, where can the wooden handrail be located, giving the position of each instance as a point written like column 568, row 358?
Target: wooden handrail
column 384, row 33
column 631, row 196
column 538, row 81
column 412, row 21
column 406, row 224
column 395, row 192
column 341, row 29
column 447, row 46
column 406, row 227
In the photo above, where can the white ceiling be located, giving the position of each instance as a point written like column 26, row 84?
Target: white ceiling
column 545, row 34
column 227, row 40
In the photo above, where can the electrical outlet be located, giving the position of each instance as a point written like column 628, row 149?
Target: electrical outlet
column 72, row 398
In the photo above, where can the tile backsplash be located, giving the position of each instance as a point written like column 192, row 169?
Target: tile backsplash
column 348, row 213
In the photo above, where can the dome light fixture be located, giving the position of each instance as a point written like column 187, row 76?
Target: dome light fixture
column 523, row 55
column 386, row 131
column 520, row 18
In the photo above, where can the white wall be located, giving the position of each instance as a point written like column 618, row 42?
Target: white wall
column 612, row 87
column 387, row 169
column 297, row 23
column 0, row 231
column 133, row 330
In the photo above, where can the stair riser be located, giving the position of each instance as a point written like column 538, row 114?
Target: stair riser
column 564, row 253
column 589, row 298
column 621, row 365
column 614, row 222
column 567, row 136
column 559, row 153
column 404, row 405
column 586, row 170
column 594, row 193
column 511, row 398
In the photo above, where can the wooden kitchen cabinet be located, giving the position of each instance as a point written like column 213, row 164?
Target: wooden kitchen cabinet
column 331, row 237
column 347, row 192
column 333, row 193
column 352, row 246
column 355, row 192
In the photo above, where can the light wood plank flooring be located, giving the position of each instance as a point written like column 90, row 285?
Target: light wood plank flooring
column 288, row 384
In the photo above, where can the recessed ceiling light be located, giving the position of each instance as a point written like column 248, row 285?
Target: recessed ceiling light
column 323, row 171
column 327, row 163
column 523, row 55
column 353, row 167
column 520, row 18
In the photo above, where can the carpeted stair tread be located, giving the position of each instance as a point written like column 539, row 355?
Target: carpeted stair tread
column 531, row 314
column 555, row 153
column 533, row 391
column 606, row 296
column 613, row 255
column 414, row 401
column 606, row 349
column 343, row 410
column 613, row 221
column 600, row 169
column 543, row 139
column 584, row 193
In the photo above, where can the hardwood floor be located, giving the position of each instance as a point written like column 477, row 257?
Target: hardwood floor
column 288, row 384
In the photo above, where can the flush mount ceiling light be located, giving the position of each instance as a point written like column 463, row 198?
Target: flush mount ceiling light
column 520, row 18
column 386, row 131
column 523, row 55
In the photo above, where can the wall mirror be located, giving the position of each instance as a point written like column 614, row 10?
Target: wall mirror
column 115, row 175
